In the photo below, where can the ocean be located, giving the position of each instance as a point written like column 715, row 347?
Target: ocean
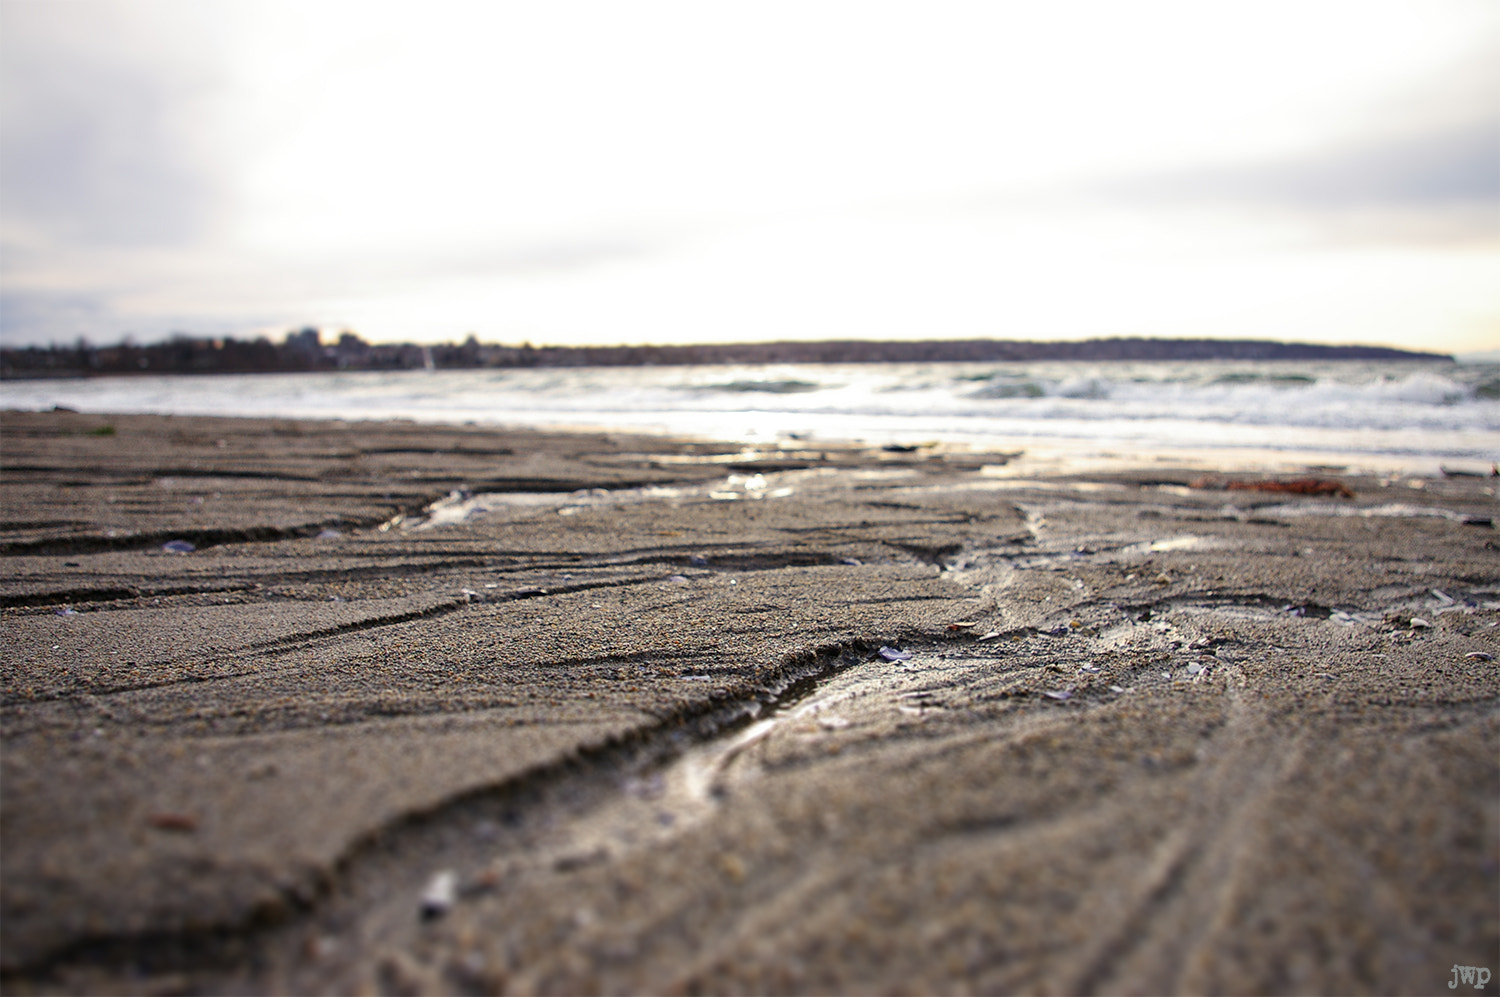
column 1414, row 417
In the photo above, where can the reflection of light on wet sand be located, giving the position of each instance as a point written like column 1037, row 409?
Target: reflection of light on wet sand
column 458, row 507
column 690, row 789
column 1025, row 470
column 1083, row 457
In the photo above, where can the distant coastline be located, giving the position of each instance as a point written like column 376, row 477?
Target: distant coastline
column 305, row 350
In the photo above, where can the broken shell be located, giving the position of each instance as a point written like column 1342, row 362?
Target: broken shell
column 1417, row 623
column 991, row 635
column 1479, row 656
column 733, row 867
column 894, row 654
column 178, row 547
column 184, row 823
column 440, row 895
column 1059, row 694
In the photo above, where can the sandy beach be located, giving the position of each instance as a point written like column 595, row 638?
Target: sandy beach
column 302, row 707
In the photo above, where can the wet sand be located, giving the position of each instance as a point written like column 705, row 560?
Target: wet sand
column 452, row 709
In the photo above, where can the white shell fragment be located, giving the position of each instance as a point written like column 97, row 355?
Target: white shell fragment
column 991, row 635
column 1059, row 694
column 1417, row 623
column 440, row 895
column 1480, row 656
column 894, row 654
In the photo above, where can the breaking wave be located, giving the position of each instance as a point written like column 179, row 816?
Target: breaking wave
column 1441, row 409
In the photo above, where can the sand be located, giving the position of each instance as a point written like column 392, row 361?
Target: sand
column 457, row 709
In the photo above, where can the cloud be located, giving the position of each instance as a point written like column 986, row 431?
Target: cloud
column 28, row 316
column 169, row 164
column 1458, row 166
column 97, row 146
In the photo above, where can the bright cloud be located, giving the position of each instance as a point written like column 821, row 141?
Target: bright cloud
column 691, row 172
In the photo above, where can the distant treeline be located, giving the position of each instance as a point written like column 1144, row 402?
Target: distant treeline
column 305, row 350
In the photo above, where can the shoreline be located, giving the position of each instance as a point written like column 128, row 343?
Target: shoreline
column 634, row 713
column 1029, row 454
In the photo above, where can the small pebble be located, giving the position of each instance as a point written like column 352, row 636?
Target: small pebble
column 440, row 894
column 319, row 947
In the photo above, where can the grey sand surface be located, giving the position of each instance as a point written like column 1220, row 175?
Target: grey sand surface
column 627, row 697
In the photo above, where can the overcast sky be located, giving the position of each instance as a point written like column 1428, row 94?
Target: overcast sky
column 689, row 172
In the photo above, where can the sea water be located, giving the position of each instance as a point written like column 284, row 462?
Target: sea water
column 1414, row 416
